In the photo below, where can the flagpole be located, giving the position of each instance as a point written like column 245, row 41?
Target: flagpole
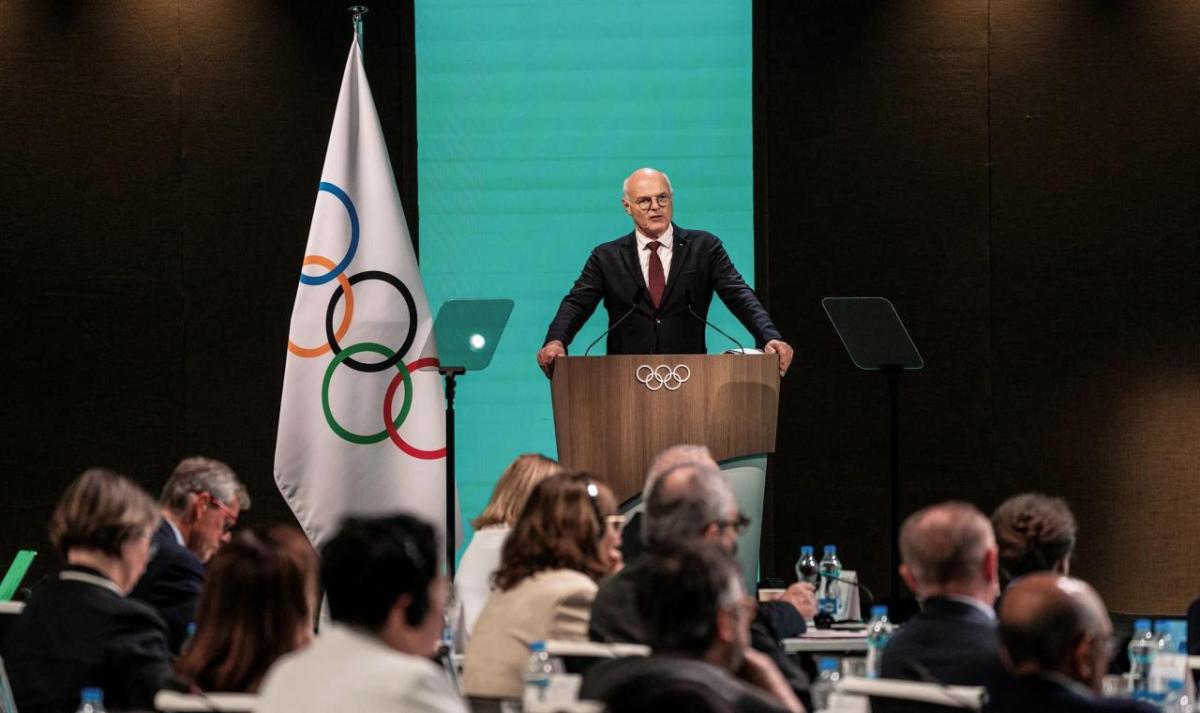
column 356, row 13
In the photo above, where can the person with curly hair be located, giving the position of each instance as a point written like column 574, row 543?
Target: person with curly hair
column 566, row 539
column 1035, row 533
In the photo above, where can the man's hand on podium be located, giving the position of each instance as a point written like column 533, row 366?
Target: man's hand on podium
column 547, row 354
column 772, row 347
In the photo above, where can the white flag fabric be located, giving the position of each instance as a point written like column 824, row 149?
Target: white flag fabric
column 361, row 418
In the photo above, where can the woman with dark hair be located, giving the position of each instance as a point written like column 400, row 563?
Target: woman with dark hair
column 80, row 630
column 257, row 605
column 567, row 537
column 1035, row 533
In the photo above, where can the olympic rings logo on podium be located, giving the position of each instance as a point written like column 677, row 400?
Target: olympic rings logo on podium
column 345, row 355
column 663, row 376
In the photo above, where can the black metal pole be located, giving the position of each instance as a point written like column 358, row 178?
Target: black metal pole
column 892, row 373
column 450, row 373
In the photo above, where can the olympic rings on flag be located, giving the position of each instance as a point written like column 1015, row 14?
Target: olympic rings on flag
column 393, row 430
column 345, row 434
column 346, row 317
column 396, row 356
column 350, row 251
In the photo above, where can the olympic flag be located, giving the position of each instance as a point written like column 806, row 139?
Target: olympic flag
column 361, row 418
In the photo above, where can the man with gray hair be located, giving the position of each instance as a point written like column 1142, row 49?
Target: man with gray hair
column 949, row 560
column 684, row 453
column 201, row 503
column 657, row 283
column 687, row 504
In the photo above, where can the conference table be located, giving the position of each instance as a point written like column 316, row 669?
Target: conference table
column 828, row 641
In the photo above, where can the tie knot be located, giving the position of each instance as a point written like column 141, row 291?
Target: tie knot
column 653, row 245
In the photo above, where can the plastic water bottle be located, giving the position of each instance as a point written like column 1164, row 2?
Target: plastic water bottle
column 1141, row 651
column 1168, row 666
column 1177, row 699
column 879, row 633
column 539, row 671
column 830, row 567
column 828, row 679
column 806, row 567
column 91, row 700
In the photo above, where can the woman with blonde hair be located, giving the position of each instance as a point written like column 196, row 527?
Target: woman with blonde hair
column 473, row 580
column 567, row 538
column 79, row 630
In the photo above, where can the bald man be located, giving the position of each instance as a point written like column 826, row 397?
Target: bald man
column 1057, row 639
column 657, row 283
column 950, row 560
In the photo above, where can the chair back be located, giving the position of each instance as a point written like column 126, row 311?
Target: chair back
column 175, row 702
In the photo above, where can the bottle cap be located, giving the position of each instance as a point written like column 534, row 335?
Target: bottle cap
column 878, row 611
column 92, row 694
column 536, row 646
column 827, row 664
column 1141, row 624
column 831, row 549
column 806, row 549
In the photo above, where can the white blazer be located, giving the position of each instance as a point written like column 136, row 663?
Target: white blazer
column 473, row 580
column 353, row 671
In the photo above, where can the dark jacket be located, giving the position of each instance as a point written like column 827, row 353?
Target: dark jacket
column 1036, row 694
column 699, row 267
column 631, row 684
column 171, row 584
column 615, row 619
column 951, row 642
column 76, row 634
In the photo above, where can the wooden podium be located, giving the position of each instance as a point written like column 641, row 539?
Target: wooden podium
column 613, row 414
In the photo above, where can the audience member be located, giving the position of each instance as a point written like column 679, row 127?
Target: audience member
column 80, row 630
column 948, row 557
column 200, row 503
column 1036, row 533
column 257, row 605
column 1057, row 641
column 566, row 538
column 697, row 621
column 387, row 603
column 473, row 577
column 690, row 503
column 673, row 457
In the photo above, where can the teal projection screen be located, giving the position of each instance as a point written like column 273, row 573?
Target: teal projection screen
column 529, row 116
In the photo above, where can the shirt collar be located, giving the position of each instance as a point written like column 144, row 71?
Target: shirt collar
column 175, row 531
column 87, row 575
column 667, row 238
column 987, row 611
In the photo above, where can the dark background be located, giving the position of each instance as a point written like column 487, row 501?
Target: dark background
column 1018, row 176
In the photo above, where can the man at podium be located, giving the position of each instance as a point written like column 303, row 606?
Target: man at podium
column 657, row 283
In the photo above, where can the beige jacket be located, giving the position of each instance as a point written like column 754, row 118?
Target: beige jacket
column 555, row 604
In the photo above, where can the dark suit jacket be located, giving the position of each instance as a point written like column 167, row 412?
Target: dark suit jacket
column 699, row 267
column 1034, row 694
column 77, row 634
column 955, row 642
column 171, row 584
column 635, row 683
column 615, row 619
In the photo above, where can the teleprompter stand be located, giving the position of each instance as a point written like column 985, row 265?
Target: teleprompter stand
column 467, row 333
column 876, row 340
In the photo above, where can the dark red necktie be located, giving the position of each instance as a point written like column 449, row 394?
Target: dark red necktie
column 657, row 280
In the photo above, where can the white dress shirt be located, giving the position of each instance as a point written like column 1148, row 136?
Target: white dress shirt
column 664, row 253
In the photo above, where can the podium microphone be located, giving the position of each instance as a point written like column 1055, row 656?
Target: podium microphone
column 637, row 300
column 691, row 301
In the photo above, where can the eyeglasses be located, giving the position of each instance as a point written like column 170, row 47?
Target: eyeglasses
column 738, row 525
column 617, row 522
column 744, row 605
column 230, row 517
column 664, row 200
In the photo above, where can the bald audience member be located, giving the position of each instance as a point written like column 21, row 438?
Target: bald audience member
column 682, row 454
column 949, row 560
column 1057, row 640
